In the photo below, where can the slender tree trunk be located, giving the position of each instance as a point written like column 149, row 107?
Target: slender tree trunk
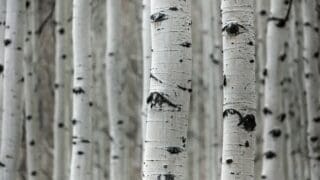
column 118, row 122
column 13, row 81
column 59, row 153
column 146, row 35
column 81, row 119
column 165, row 154
column 273, row 118
column 311, row 74
column 239, row 105
column 32, row 121
column 2, row 29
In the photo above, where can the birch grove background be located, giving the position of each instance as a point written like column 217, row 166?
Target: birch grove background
column 159, row 89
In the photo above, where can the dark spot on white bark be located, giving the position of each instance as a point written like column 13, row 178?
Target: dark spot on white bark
column 316, row 55
column 27, row 4
column 90, row 104
column 63, row 56
column 21, row 80
column 316, row 119
column 158, row 17
column 247, row 122
column 281, row 22
column 186, row 44
column 275, row 133
column 165, row 166
column 111, row 54
column 86, row 141
column 29, row 117
column 157, row 99
column 7, row 42
column 314, row 139
column 246, row 144
column 251, row 61
column 80, row 152
column 265, row 72
column 224, row 80
column 60, row 125
column 233, row 28
column 115, row 157
column 61, row 31
column 34, row 173
column 120, row 122
column 74, row 121
column 266, row 111
column 263, row 177
column 307, row 24
column 283, row 57
column 166, row 177
column 282, row 117
column 250, row 43
column 155, row 78
column 229, row 161
column 56, row 86
column 2, row 165
column 1, row 68
column 263, row 12
column 270, row 155
column 19, row 48
column 173, row 8
column 174, row 150
column 32, row 143
column 78, row 90
column 184, row 88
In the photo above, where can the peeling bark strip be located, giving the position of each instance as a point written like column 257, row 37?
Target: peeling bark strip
column 168, row 99
column 239, row 91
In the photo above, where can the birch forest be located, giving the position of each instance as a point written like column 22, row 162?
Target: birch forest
column 159, row 90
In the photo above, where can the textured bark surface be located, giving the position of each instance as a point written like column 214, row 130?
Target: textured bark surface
column 165, row 155
column 13, row 81
column 239, row 105
column 81, row 119
column 311, row 81
column 2, row 29
column 273, row 116
column 61, row 55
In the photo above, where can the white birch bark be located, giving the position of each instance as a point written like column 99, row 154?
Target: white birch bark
column 30, row 100
column 60, row 153
column 2, row 29
column 273, row 118
column 311, row 81
column 165, row 154
column 13, row 81
column 81, row 118
column 146, row 36
column 239, row 105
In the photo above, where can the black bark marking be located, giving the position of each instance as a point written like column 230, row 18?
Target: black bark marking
column 85, row 141
column 166, row 177
column 155, row 78
column 316, row 119
column 158, row 99
column 79, row 78
column 60, row 125
column 27, row 4
column 165, row 166
column 1, row 68
column 61, row 31
column 275, row 133
column 32, row 143
column 115, row 157
column 74, row 121
column 174, row 150
column 281, row 22
column 111, row 54
column 21, row 80
column 158, row 17
column 263, row 12
column 214, row 61
column 251, row 61
column 90, row 104
column 316, row 55
column 224, row 80
column 19, row 48
column 34, row 173
column 307, row 24
column 266, row 111
column 7, row 42
column 80, row 152
column 56, row 86
column 282, row 117
column 229, row 161
column 265, row 72
column 78, row 90
column 186, row 44
column 263, row 177
column 232, row 28
column 120, row 122
column 63, row 56
column 283, row 57
column 246, row 144
column 250, row 43
column 173, row 8
column 314, row 139
column 184, row 89
column 29, row 117
column 247, row 122
column 270, row 155
column 2, row 165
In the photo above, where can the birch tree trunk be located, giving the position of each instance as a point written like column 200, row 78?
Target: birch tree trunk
column 273, row 118
column 2, row 29
column 118, row 122
column 81, row 119
column 146, row 36
column 32, row 118
column 311, row 81
column 13, row 81
column 59, row 154
column 165, row 154
column 239, row 105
